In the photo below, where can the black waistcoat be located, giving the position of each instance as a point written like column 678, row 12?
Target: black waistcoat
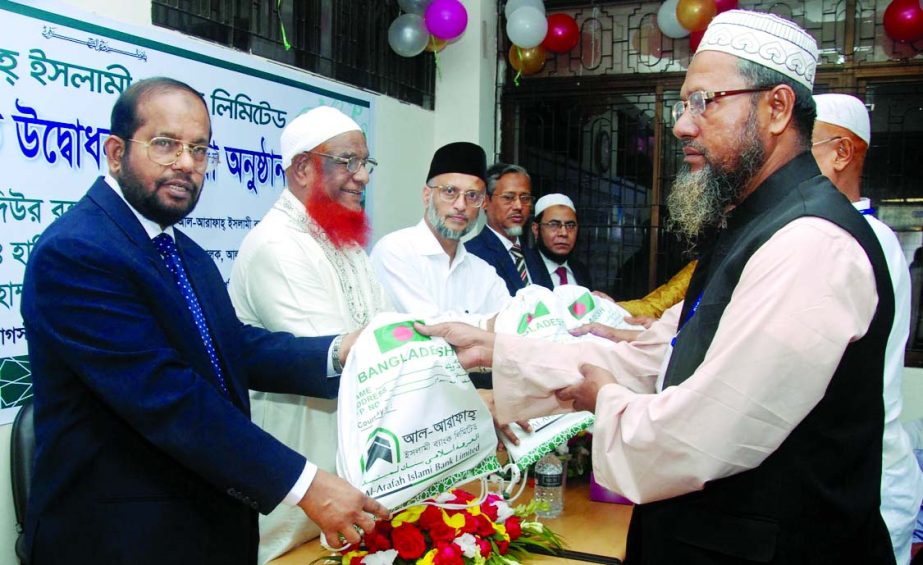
column 815, row 499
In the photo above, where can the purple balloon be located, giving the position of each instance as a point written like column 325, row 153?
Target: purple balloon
column 446, row 19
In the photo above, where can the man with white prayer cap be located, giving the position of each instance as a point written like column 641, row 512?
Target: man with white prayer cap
column 842, row 133
column 303, row 269
column 759, row 439
column 555, row 231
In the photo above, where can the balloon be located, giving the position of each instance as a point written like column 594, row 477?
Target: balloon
column 695, row 37
column 446, row 19
column 527, row 61
column 527, row 27
column 667, row 22
column 413, row 6
column 435, row 45
column 514, row 5
column 407, row 35
column 725, row 5
column 903, row 20
column 563, row 33
column 694, row 15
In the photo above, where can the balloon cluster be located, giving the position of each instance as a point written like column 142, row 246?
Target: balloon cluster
column 533, row 34
column 903, row 21
column 426, row 25
column 679, row 18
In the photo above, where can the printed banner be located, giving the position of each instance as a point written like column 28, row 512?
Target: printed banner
column 62, row 69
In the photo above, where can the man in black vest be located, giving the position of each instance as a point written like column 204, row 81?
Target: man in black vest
column 761, row 440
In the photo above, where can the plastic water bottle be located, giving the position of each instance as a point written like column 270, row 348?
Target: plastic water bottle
column 549, row 485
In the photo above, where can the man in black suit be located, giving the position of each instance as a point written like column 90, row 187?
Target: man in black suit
column 555, row 230
column 145, row 450
column 509, row 202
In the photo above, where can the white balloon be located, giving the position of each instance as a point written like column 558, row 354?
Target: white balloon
column 514, row 5
column 527, row 27
column 668, row 22
column 408, row 35
column 413, row 6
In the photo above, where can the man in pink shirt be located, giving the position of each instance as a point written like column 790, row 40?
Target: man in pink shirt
column 747, row 422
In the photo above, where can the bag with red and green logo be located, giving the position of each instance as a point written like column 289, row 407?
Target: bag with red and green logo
column 581, row 307
column 411, row 424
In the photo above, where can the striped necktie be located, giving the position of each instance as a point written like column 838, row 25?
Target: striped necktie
column 520, row 260
column 167, row 248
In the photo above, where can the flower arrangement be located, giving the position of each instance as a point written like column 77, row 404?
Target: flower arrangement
column 492, row 533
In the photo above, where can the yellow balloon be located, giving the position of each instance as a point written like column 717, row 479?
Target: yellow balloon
column 695, row 15
column 527, row 61
column 435, row 45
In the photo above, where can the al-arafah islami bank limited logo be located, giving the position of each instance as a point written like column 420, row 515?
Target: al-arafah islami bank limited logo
column 393, row 336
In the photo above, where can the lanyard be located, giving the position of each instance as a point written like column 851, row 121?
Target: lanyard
column 689, row 315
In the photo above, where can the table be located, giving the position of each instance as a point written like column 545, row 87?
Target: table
column 593, row 531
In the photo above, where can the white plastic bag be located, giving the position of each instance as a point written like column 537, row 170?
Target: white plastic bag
column 411, row 424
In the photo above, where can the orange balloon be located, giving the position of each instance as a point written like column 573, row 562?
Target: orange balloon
column 527, row 61
column 435, row 45
column 695, row 15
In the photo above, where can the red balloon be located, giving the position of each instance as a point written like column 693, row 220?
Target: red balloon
column 903, row 20
column 725, row 5
column 563, row 33
column 695, row 37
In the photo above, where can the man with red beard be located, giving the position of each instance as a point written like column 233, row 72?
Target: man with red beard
column 760, row 439
column 303, row 270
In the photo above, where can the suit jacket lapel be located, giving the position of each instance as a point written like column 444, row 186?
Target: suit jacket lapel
column 503, row 258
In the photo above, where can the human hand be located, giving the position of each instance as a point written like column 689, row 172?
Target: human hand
column 347, row 344
column 474, row 347
column 606, row 332
column 584, row 393
column 602, row 295
column 487, row 396
column 645, row 321
column 338, row 508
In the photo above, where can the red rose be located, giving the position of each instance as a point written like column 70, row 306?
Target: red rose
column 471, row 524
column 485, row 527
column 376, row 541
column 448, row 554
column 408, row 541
column 485, row 547
column 442, row 532
column 462, row 496
column 503, row 546
column 430, row 517
column 513, row 527
column 356, row 560
column 489, row 509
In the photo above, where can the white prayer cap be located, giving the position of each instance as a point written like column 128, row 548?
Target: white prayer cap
column 765, row 39
column 845, row 111
column 312, row 128
column 554, row 199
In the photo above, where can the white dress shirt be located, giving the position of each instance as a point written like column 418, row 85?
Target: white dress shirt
column 553, row 268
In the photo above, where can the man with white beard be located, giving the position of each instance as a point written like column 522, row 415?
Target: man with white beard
column 303, row 270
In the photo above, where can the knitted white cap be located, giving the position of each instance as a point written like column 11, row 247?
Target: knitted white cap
column 765, row 39
column 554, row 199
column 312, row 128
column 845, row 111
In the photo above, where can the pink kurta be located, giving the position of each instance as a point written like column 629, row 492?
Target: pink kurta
column 802, row 297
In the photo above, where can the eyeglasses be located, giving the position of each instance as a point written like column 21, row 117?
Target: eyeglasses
column 352, row 163
column 828, row 140
column 555, row 225
column 450, row 193
column 165, row 151
column 509, row 197
column 700, row 98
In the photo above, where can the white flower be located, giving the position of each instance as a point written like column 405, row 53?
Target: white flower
column 504, row 511
column 468, row 545
column 385, row 557
column 444, row 497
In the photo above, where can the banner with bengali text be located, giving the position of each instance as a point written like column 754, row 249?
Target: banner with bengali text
column 61, row 70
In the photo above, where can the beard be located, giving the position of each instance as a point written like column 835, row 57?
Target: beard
column 438, row 223
column 556, row 257
column 344, row 226
column 700, row 200
column 147, row 203
column 514, row 231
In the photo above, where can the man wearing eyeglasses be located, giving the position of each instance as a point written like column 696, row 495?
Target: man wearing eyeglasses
column 760, row 439
column 840, row 141
column 145, row 451
column 303, row 269
column 555, row 231
column 500, row 243
column 426, row 269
